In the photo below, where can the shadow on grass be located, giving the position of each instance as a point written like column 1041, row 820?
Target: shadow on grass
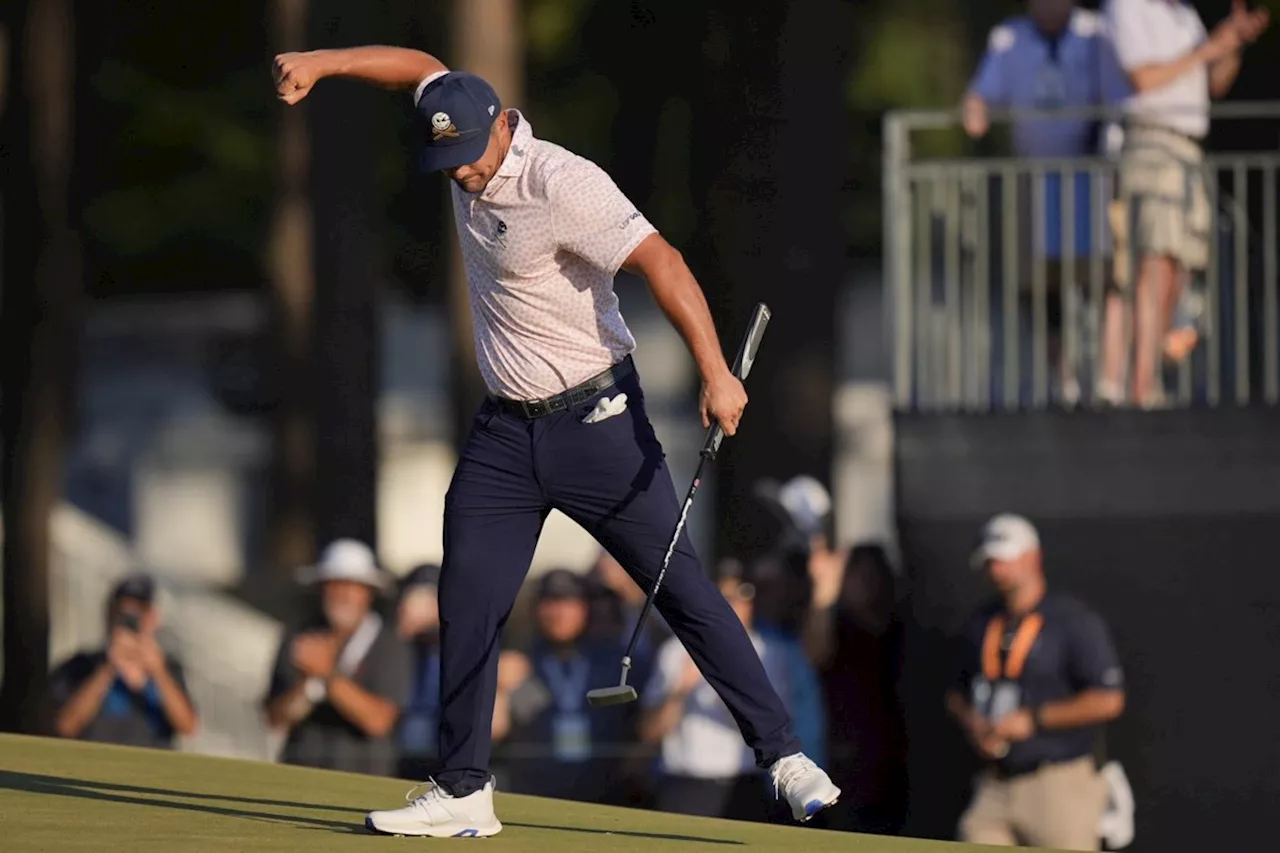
column 59, row 786
column 626, row 833
column 138, row 795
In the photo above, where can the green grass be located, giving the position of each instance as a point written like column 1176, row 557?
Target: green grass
column 69, row 796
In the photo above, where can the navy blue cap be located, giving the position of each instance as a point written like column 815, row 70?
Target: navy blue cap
column 427, row 574
column 137, row 587
column 454, row 115
column 562, row 583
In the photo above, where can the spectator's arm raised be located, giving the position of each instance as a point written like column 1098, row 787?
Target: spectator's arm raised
column 177, row 706
column 990, row 83
column 671, row 690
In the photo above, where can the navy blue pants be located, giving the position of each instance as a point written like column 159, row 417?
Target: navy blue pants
column 611, row 478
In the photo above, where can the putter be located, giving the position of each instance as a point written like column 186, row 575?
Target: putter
column 621, row 693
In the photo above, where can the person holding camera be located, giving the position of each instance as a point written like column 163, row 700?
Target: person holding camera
column 131, row 691
column 341, row 679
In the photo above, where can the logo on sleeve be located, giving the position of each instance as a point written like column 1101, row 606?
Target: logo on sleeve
column 632, row 217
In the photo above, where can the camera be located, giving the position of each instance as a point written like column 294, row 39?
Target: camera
column 130, row 622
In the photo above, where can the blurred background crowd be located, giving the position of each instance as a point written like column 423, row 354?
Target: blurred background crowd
column 240, row 369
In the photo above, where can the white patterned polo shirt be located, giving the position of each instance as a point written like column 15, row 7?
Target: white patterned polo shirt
column 542, row 244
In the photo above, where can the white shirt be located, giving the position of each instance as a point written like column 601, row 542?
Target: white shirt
column 541, row 245
column 706, row 743
column 1158, row 31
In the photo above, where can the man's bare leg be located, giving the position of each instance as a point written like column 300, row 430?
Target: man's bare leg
column 1115, row 348
column 1154, row 298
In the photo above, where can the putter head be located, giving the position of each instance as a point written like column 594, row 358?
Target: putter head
column 619, row 694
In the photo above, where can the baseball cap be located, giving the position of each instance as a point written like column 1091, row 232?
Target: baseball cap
column 426, row 574
column 345, row 560
column 1005, row 537
column 562, row 583
column 136, row 587
column 731, row 570
column 454, row 115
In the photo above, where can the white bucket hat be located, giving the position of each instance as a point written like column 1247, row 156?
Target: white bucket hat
column 346, row 560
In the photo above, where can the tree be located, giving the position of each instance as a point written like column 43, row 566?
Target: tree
column 38, row 323
column 340, row 117
column 772, row 116
column 291, row 524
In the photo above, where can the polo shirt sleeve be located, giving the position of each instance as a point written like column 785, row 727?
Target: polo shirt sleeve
column 67, row 678
column 179, row 675
column 391, row 671
column 592, row 218
column 1093, row 660
column 966, row 655
column 284, row 675
column 991, row 81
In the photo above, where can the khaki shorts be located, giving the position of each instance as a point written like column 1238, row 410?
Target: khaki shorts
column 1058, row 806
column 1162, row 179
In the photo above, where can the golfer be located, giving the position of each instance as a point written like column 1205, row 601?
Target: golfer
column 543, row 233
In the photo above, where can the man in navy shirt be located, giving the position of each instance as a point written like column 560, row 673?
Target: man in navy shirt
column 1038, row 677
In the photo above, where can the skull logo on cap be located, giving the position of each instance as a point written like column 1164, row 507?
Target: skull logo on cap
column 442, row 125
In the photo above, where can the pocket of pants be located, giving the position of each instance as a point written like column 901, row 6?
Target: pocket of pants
column 483, row 419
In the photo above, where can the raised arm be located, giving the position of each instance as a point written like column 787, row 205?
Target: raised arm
column 1219, row 51
column 389, row 67
column 681, row 299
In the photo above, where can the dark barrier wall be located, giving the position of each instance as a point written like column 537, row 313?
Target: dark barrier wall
column 1168, row 523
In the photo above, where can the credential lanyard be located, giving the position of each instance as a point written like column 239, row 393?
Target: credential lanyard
column 1019, row 648
column 567, row 681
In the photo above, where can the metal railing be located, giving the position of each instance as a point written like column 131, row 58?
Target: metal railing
column 970, row 265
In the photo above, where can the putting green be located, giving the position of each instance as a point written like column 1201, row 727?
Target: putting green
column 58, row 795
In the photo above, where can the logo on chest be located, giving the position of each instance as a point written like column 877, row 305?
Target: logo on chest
column 500, row 233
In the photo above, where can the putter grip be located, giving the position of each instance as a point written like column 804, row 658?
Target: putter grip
column 747, row 351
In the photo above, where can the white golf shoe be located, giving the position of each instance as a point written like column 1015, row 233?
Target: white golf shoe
column 440, row 815
column 806, row 786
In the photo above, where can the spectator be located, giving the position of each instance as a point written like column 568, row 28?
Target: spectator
column 706, row 768
column 784, row 596
column 1038, row 678
column 1055, row 57
column 130, row 692
column 340, row 682
column 1175, row 67
column 856, row 638
column 616, row 602
column 418, row 624
column 556, row 745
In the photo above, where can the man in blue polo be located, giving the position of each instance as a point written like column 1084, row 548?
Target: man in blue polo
column 543, row 232
column 1055, row 57
column 1038, row 677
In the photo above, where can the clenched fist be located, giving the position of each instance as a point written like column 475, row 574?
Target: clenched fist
column 722, row 401
column 296, row 73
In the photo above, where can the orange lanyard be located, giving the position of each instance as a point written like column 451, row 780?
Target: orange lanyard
column 1023, row 640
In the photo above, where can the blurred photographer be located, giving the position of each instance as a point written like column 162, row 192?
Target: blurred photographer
column 129, row 692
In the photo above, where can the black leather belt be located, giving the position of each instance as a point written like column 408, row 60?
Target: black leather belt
column 575, row 396
column 1005, row 772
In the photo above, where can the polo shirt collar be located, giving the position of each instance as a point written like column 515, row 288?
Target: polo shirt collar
column 521, row 141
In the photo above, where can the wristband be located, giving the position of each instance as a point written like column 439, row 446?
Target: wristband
column 313, row 688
